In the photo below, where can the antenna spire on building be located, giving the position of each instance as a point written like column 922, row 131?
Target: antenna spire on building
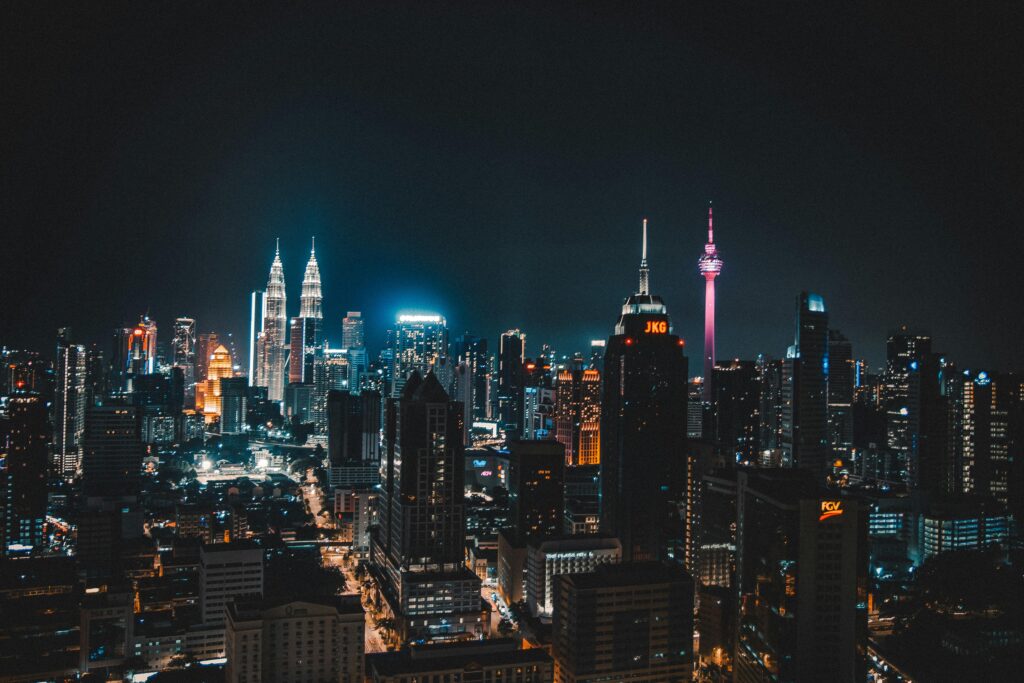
column 644, row 270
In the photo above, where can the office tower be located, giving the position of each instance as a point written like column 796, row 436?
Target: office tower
column 228, row 571
column 536, row 488
column 801, row 562
column 95, row 376
column 353, row 427
column 257, row 314
column 511, row 371
column 107, row 630
column 70, row 399
column 624, row 622
column 331, row 372
column 546, row 560
column 417, row 551
column 464, row 393
column 710, row 265
column 966, row 522
column 643, row 428
column 578, row 414
column 805, row 389
column 183, row 354
column 472, row 351
column 274, row 325
column 111, row 452
column 737, row 404
column 352, row 331
column 842, row 379
column 208, row 394
column 307, row 329
column 538, row 412
column 418, row 343
column 205, row 346
column 500, row 659
column 24, row 451
column 311, row 639
column 134, row 353
column 984, row 462
column 695, row 409
column 771, row 409
column 234, row 393
column 597, row 353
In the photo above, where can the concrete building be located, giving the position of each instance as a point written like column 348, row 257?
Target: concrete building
column 476, row 662
column 547, row 560
column 315, row 639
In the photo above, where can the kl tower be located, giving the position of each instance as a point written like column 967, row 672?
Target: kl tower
column 709, row 265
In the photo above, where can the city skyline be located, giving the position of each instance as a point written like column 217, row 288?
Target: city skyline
column 193, row 186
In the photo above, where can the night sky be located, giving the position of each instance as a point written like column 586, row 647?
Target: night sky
column 493, row 162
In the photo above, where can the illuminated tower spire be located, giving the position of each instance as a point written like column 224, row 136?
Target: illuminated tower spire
column 311, row 301
column 710, row 265
column 645, row 273
column 275, row 324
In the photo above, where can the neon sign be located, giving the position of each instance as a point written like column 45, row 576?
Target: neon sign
column 830, row 508
column 656, row 327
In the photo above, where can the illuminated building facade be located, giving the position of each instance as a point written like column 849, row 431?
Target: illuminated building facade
column 134, row 353
column 418, row 343
column 536, row 488
column 710, row 265
column 353, row 334
column 208, row 395
column 737, row 403
column 307, row 329
column 842, row 381
column 417, row 550
column 24, row 447
column 578, row 414
column 471, row 350
column 183, row 354
column 984, row 449
column 70, row 400
column 274, row 326
column 801, row 563
column 643, row 428
column 805, row 389
column 511, row 379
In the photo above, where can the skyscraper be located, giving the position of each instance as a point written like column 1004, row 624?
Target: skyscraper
column 841, row 384
column 805, row 389
column 710, row 265
column 184, row 354
column 643, row 428
column 472, row 350
column 801, row 565
column 307, row 329
column 257, row 314
column 737, row 403
column 511, row 380
column 417, row 551
column 536, row 488
column 578, row 414
column 111, row 452
column 275, row 323
column 69, row 404
column 134, row 353
column 24, row 435
column 419, row 343
column 205, row 346
column 208, row 395
column 352, row 331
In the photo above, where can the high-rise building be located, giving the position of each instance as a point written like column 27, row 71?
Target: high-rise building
column 70, row 399
column 24, row 439
column 801, row 564
column 418, row 343
column 274, row 326
column 257, row 315
column 511, row 380
column 624, row 622
column 805, row 440
column 536, row 488
column 332, row 371
column 307, row 329
column 208, row 394
column 417, row 551
column 205, row 346
column 710, row 265
column 578, row 414
column 183, row 354
column 312, row 639
column 352, row 331
column 112, row 451
column 643, row 428
column 984, row 449
column 234, row 393
column 737, row 404
column 134, row 353
column 353, row 427
column 472, row 351
column 842, row 380
column 228, row 571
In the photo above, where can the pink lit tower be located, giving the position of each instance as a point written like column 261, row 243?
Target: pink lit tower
column 709, row 265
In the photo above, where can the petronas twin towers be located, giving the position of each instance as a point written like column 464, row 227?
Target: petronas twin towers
column 271, row 350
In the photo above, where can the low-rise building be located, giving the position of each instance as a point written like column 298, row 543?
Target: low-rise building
column 471, row 662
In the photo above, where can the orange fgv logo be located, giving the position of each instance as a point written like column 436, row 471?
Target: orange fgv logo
column 656, row 327
column 830, row 508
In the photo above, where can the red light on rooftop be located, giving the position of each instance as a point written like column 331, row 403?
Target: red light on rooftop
column 629, row 341
column 137, row 332
column 682, row 342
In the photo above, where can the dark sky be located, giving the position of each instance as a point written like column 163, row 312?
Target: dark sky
column 493, row 161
